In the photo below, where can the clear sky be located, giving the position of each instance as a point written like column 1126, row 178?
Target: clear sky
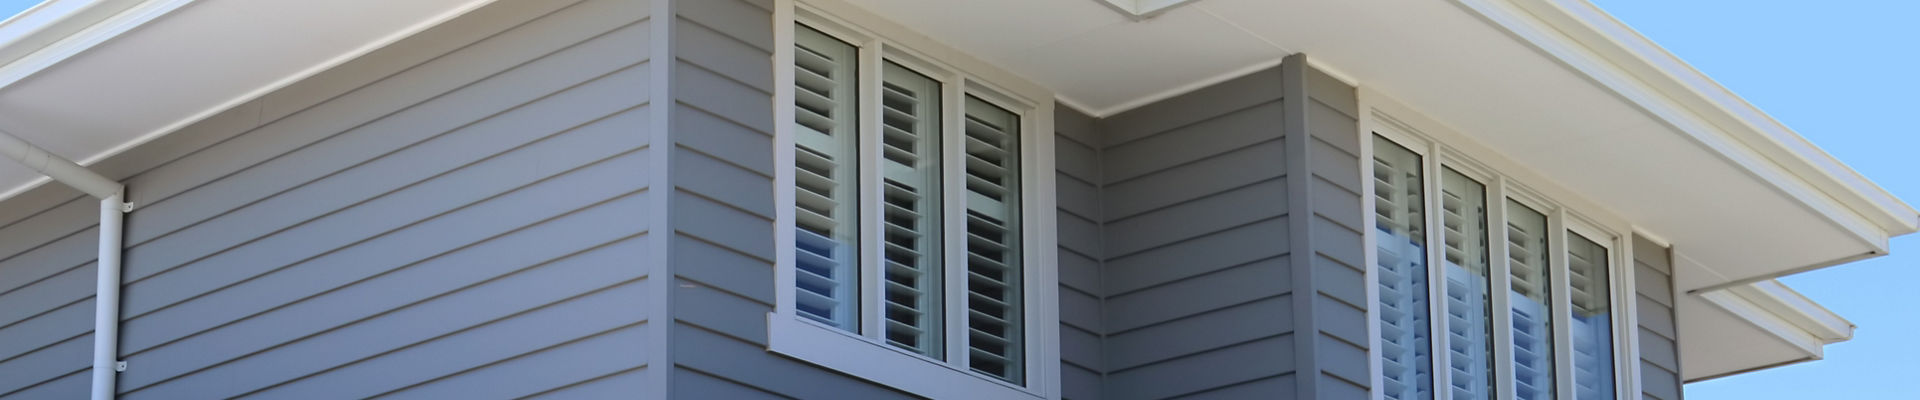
column 10, row 7
column 1845, row 74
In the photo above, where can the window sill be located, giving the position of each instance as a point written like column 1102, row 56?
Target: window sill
column 852, row 355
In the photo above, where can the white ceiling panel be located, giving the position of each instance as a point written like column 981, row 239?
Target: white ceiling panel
column 1118, row 64
column 196, row 60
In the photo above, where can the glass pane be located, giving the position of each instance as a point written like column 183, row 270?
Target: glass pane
column 1463, row 206
column 994, row 301
column 1592, row 319
column 910, row 193
column 826, row 179
column 1406, row 348
column 1527, row 260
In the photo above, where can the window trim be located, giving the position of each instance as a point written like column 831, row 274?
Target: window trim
column 1567, row 213
column 960, row 76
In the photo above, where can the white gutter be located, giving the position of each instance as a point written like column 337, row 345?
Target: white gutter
column 113, row 208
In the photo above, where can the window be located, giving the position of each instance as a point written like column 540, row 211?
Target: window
column 1399, row 215
column 1529, row 294
column 914, row 212
column 1592, row 324
column 1444, row 331
column 1463, row 207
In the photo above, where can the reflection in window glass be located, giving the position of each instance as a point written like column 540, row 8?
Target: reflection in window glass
column 826, row 179
column 1463, row 208
column 1529, row 297
column 1592, row 319
column 1406, row 350
column 910, row 203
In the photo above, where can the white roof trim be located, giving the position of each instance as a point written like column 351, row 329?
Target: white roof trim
column 1588, row 40
column 1789, row 305
column 85, row 26
column 53, row 31
column 1785, row 314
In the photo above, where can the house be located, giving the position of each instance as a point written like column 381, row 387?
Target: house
column 870, row 199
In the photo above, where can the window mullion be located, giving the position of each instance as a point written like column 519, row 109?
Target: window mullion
column 1562, row 305
column 1436, row 276
column 872, row 285
column 1626, row 349
column 954, row 192
column 1501, row 289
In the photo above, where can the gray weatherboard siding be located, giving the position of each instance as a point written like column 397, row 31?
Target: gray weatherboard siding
column 1202, row 203
column 1659, row 350
column 452, row 216
column 469, row 212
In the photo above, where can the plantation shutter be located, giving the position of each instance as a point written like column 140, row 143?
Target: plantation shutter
column 994, row 304
column 1406, row 347
column 1469, row 323
column 1527, row 262
column 1592, row 319
column 826, row 179
column 910, row 193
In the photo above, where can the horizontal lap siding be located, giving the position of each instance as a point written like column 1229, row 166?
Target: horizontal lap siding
column 453, row 215
column 1659, row 342
column 1078, row 194
column 1195, row 271
column 722, row 246
column 1328, row 200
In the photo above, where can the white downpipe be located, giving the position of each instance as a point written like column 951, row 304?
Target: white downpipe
column 113, row 209
column 106, row 304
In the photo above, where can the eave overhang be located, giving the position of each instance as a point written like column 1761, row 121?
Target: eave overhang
column 91, row 79
column 1589, row 40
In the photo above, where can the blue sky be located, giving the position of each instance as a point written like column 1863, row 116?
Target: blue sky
column 1845, row 74
column 10, row 7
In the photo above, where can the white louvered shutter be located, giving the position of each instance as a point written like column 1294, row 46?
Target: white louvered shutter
column 1406, row 346
column 911, row 210
column 826, row 176
column 1463, row 207
column 994, row 304
column 1592, row 320
column 1527, row 261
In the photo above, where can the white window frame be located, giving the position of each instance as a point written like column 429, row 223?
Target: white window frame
column 867, row 356
column 1567, row 213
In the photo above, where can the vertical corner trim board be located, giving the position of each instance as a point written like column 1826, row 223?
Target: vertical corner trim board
column 1322, row 144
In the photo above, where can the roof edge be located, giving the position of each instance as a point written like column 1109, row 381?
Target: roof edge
column 1616, row 57
column 1763, row 315
column 1784, row 302
column 1785, row 314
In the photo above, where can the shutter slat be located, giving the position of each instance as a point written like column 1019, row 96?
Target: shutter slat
column 825, row 145
column 1402, row 284
column 911, row 210
column 1532, row 322
column 994, row 298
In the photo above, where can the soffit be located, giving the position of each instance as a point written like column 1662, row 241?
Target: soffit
column 195, row 59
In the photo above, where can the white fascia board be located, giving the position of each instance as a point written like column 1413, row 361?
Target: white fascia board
column 60, row 29
column 1785, row 314
column 1590, row 41
column 1790, row 305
